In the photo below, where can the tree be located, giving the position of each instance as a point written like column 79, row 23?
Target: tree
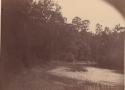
column 76, row 21
column 107, row 30
column 117, row 27
column 46, row 11
column 98, row 28
column 13, row 17
column 85, row 25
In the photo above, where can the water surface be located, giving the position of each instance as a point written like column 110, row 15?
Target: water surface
column 93, row 74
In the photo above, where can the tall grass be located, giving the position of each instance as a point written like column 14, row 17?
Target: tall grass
column 87, row 85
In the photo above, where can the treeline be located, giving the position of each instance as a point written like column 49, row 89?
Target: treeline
column 36, row 32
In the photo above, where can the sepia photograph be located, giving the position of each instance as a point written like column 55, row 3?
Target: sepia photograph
column 62, row 44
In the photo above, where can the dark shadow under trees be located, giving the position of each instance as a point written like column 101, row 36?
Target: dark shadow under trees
column 35, row 33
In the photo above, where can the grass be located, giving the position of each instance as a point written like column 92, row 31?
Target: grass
column 72, row 84
column 38, row 79
column 77, row 68
column 88, row 85
column 95, row 86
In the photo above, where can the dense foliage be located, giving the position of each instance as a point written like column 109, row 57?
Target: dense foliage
column 34, row 33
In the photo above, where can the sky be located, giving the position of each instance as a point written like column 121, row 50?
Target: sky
column 97, row 11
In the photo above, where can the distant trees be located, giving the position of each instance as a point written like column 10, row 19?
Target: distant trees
column 109, row 43
column 81, row 25
column 85, row 25
column 98, row 28
column 35, row 33
column 76, row 21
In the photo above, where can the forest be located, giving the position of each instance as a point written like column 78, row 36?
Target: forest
column 41, row 50
column 37, row 32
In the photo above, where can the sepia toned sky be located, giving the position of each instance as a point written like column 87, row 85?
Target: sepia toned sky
column 97, row 11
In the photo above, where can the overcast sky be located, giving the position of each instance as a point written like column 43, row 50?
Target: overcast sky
column 97, row 11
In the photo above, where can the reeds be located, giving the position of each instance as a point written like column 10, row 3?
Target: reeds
column 87, row 85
